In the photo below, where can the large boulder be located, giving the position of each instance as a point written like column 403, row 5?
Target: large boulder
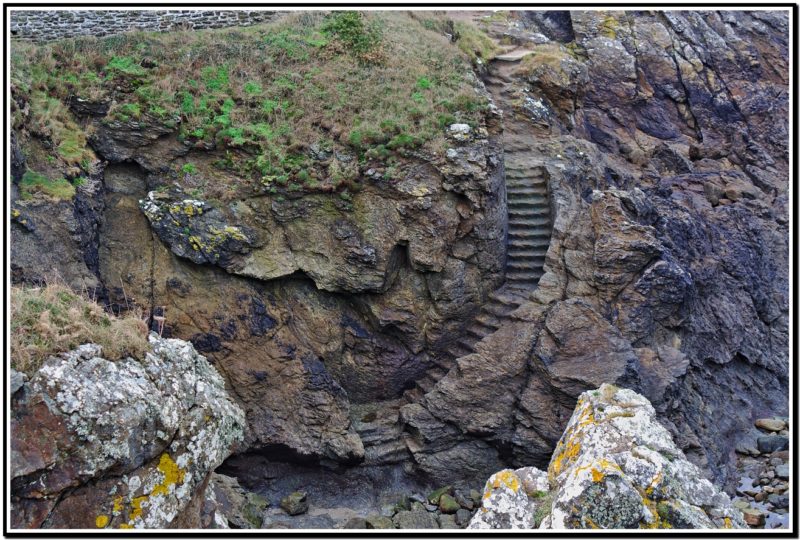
column 126, row 444
column 615, row 467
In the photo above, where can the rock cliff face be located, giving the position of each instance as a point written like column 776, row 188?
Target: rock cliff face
column 662, row 141
column 127, row 444
column 667, row 269
column 615, row 467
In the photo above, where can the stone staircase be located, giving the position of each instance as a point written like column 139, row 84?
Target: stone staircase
column 529, row 231
column 378, row 425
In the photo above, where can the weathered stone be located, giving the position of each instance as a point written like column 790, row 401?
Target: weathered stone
column 614, row 467
column 126, row 444
column 238, row 508
column 464, row 501
column 448, row 505
column 505, row 504
column 379, row 522
column 16, row 380
column 753, row 517
column 778, row 501
column 782, row 471
column 770, row 424
column 435, row 495
column 52, row 25
column 462, row 517
column 415, row 519
column 356, row 523
column 447, row 521
column 295, row 503
column 772, row 443
column 748, row 443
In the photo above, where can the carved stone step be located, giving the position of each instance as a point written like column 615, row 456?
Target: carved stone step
column 488, row 320
column 515, row 210
column 427, row 383
column 525, row 265
column 478, row 332
column 531, row 218
column 517, row 190
column 526, row 257
column 529, row 277
column 499, row 310
column 376, row 422
column 519, row 203
column 459, row 349
column 524, row 173
column 526, row 243
column 530, row 233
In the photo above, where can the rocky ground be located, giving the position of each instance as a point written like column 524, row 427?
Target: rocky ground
column 762, row 493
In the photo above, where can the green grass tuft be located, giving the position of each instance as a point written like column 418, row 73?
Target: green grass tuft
column 33, row 182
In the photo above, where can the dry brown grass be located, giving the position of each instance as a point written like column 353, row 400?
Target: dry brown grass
column 51, row 319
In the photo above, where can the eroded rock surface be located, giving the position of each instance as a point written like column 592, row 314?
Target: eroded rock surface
column 662, row 139
column 127, row 444
column 667, row 271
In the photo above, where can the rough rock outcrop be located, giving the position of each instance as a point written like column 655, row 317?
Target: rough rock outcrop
column 615, row 467
column 229, row 506
column 127, row 444
column 663, row 139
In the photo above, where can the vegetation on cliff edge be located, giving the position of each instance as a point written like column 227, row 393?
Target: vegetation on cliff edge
column 267, row 97
column 51, row 319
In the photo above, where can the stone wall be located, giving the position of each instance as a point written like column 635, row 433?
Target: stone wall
column 52, row 25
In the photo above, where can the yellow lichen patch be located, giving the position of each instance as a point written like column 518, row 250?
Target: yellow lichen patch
column 101, row 521
column 14, row 213
column 658, row 521
column 597, row 475
column 599, row 469
column 507, row 478
column 727, row 524
column 564, row 458
column 172, row 475
column 136, row 507
column 195, row 242
column 125, row 526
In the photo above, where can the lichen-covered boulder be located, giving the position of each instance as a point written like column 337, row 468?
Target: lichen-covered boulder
column 126, row 444
column 513, row 500
column 615, row 467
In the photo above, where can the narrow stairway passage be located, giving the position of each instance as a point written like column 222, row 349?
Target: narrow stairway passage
column 529, row 232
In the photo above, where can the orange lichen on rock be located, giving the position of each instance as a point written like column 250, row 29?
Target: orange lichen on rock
column 507, row 478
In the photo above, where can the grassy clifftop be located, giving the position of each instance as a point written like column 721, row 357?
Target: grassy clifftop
column 369, row 84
